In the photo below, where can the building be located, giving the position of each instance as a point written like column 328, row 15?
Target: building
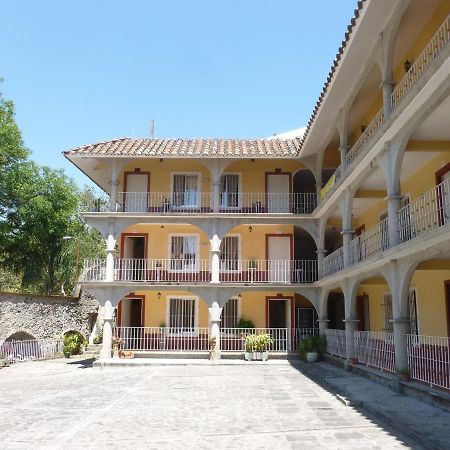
column 343, row 230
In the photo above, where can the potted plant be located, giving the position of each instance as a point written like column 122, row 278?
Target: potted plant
column 213, row 353
column 404, row 374
column 116, row 341
column 257, row 347
column 311, row 348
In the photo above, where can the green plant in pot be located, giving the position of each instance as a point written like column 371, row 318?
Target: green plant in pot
column 72, row 344
column 257, row 346
column 311, row 348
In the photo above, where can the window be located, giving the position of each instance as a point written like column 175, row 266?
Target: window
column 230, row 313
column 182, row 314
column 307, row 318
column 184, row 253
column 387, row 312
column 229, row 255
column 229, row 194
column 412, row 311
column 185, row 190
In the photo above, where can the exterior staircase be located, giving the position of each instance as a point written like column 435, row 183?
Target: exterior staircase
column 92, row 350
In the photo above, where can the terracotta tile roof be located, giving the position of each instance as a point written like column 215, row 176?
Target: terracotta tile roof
column 191, row 148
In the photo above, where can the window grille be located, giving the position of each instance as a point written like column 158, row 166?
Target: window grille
column 230, row 313
column 307, row 318
column 183, row 252
column 387, row 312
column 182, row 314
column 185, row 190
column 229, row 197
column 229, row 255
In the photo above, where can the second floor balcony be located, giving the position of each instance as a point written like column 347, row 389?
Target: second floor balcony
column 194, row 202
column 195, row 271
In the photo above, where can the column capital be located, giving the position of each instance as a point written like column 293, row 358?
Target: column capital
column 347, row 232
column 344, row 148
column 323, row 320
column 351, row 321
column 394, row 197
column 387, row 83
column 400, row 320
column 321, row 251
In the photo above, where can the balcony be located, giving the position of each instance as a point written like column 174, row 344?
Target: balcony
column 181, row 203
column 421, row 217
column 361, row 147
column 176, row 271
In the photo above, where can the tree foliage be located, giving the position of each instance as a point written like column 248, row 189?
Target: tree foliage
column 39, row 206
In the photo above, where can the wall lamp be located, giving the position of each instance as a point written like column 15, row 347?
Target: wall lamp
column 407, row 65
column 250, row 229
column 158, row 295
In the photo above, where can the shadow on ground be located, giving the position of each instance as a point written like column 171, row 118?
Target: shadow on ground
column 82, row 363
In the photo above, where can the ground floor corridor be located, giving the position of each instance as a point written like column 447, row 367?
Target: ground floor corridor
column 61, row 404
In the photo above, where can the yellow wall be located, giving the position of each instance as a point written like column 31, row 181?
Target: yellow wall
column 252, row 244
column 252, row 173
column 430, row 298
column 253, row 306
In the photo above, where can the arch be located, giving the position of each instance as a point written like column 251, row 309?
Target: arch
column 21, row 335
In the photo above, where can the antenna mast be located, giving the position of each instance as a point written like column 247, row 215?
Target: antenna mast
column 152, row 128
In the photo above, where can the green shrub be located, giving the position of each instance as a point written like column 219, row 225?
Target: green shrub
column 310, row 344
column 72, row 343
column 257, row 342
column 245, row 323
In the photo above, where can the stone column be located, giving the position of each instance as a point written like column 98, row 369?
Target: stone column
column 393, row 203
column 108, row 314
column 216, row 195
column 401, row 329
column 113, row 187
column 343, row 150
column 350, row 328
column 387, row 86
column 215, row 258
column 323, row 326
column 215, row 313
column 320, row 256
column 347, row 236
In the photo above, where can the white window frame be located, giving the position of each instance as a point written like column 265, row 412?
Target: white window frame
column 199, row 185
column 239, row 265
column 197, row 253
column 238, row 299
column 239, row 203
column 183, row 297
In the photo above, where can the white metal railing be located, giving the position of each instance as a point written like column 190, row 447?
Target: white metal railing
column 334, row 262
column 375, row 349
column 426, row 213
column 164, row 202
column 370, row 242
column 268, row 271
column 336, row 343
column 16, row 351
column 188, row 270
column 202, row 202
column 163, row 338
column 429, row 359
column 437, row 43
column 99, row 203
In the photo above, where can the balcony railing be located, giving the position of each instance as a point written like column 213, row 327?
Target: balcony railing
column 336, row 343
column 375, row 349
column 370, row 242
column 171, row 339
column 201, row 203
column 434, row 47
column 198, row 271
column 334, row 262
column 426, row 213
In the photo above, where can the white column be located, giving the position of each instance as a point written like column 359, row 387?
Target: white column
column 108, row 312
column 401, row 329
column 113, row 187
column 347, row 229
column 343, row 150
column 215, row 313
column 215, row 258
column 347, row 236
column 110, row 249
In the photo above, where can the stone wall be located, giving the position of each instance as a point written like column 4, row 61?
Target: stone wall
column 46, row 316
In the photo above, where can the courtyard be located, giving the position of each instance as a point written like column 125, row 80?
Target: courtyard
column 68, row 404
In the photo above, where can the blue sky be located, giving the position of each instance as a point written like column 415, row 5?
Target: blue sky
column 86, row 71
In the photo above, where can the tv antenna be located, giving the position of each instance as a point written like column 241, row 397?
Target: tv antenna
column 152, row 129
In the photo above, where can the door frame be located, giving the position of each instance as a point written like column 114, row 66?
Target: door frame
column 447, row 304
column 289, row 309
column 291, row 246
column 136, row 171
column 439, row 174
column 131, row 296
column 135, row 234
